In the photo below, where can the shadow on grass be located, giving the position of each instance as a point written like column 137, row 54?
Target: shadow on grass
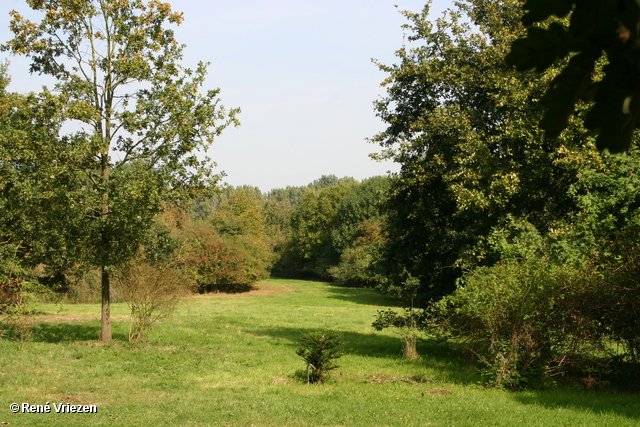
column 65, row 332
column 598, row 402
column 364, row 296
column 451, row 363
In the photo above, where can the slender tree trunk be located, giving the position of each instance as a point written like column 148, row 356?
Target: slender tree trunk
column 105, row 326
column 105, row 329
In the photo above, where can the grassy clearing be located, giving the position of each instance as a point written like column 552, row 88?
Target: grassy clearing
column 230, row 360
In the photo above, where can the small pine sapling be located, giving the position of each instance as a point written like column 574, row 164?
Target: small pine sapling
column 320, row 350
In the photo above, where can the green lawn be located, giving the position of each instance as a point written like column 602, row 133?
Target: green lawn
column 230, row 361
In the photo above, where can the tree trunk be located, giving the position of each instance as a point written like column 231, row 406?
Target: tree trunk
column 105, row 327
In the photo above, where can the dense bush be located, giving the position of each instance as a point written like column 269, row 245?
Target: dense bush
column 219, row 265
column 228, row 248
column 524, row 319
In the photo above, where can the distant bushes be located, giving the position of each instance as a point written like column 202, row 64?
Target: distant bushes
column 224, row 263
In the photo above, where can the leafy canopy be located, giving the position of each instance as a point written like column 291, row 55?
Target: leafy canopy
column 584, row 32
column 462, row 125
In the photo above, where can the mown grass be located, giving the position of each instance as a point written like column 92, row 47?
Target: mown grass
column 230, row 360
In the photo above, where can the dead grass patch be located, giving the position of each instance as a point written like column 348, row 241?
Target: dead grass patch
column 76, row 317
column 258, row 290
column 377, row 379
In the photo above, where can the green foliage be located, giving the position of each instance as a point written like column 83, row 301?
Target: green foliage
column 462, row 126
column 608, row 195
column 142, row 120
column 358, row 235
column 523, row 319
column 407, row 326
column 358, row 262
column 39, row 214
column 594, row 29
column 239, row 212
column 312, row 225
column 320, row 350
column 336, row 232
column 364, row 203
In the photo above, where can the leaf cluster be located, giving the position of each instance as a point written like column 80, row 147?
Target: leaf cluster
column 584, row 32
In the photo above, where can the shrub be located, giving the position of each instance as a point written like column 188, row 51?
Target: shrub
column 320, row 350
column 230, row 263
column 17, row 290
column 407, row 326
column 523, row 319
column 152, row 292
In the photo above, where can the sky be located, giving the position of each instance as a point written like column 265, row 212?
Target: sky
column 300, row 70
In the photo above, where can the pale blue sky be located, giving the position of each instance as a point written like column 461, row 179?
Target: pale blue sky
column 300, row 70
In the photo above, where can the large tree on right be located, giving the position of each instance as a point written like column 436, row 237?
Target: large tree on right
column 463, row 126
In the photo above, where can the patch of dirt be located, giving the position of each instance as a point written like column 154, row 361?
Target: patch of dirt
column 281, row 380
column 75, row 317
column 390, row 379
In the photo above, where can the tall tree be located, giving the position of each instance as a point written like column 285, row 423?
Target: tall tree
column 462, row 124
column 140, row 115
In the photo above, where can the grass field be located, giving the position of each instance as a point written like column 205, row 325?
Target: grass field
column 229, row 360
